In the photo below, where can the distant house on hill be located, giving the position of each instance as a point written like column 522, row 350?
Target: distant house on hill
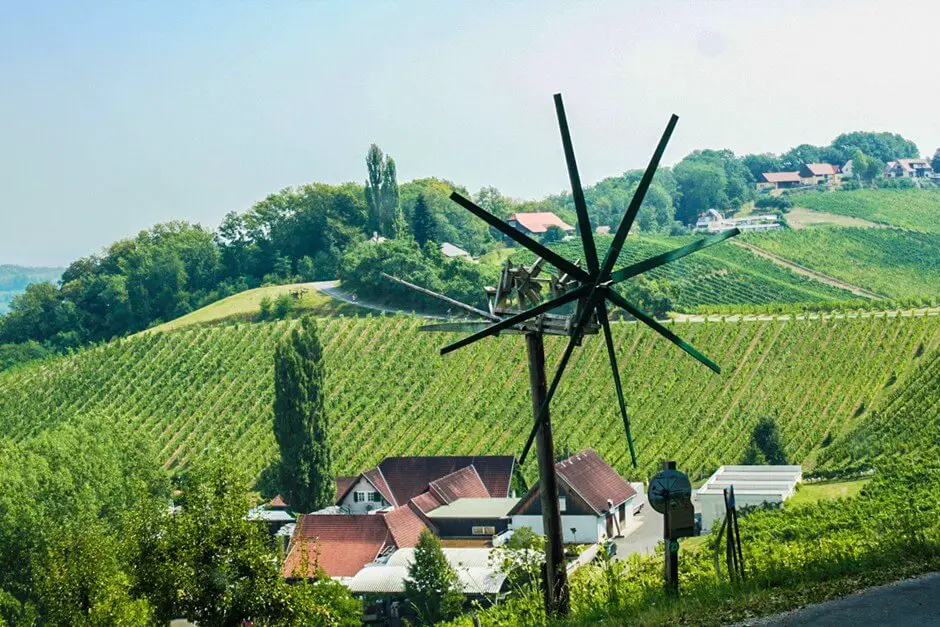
column 538, row 222
column 595, row 500
column 908, row 168
column 778, row 180
column 454, row 252
column 820, row 174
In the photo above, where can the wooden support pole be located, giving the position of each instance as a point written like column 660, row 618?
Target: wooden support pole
column 556, row 582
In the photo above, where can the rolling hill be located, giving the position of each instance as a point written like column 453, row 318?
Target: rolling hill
column 719, row 277
column 892, row 262
column 911, row 209
column 208, row 388
column 14, row 279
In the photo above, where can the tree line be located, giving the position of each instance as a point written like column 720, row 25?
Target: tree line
column 320, row 231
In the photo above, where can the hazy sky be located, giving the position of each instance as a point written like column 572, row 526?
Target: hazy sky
column 117, row 115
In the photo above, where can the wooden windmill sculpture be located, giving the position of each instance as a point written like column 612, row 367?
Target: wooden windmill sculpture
column 517, row 306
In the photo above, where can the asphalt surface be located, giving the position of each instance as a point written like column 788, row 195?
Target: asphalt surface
column 909, row 602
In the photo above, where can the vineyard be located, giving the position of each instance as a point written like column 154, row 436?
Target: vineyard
column 907, row 421
column 913, row 209
column 390, row 393
column 897, row 264
column 720, row 275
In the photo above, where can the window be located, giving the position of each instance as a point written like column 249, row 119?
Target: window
column 360, row 497
column 483, row 531
column 375, row 497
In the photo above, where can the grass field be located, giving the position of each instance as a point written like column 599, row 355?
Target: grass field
column 913, row 209
column 890, row 262
column 826, row 491
column 210, row 387
column 246, row 305
column 801, row 218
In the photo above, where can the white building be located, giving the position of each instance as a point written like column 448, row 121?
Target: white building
column 753, row 485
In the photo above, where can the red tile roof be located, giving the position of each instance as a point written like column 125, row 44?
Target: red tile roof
column 343, row 484
column 596, row 482
column 405, row 526
column 407, row 477
column 819, row 169
column 539, row 221
column 781, row 177
column 277, row 503
column 374, row 476
column 341, row 545
column 426, row 502
column 460, row 484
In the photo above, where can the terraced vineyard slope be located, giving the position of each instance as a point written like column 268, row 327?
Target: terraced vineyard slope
column 722, row 275
column 897, row 264
column 907, row 421
column 913, row 209
column 390, row 393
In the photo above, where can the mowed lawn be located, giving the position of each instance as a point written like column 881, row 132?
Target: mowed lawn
column 247, row 305
column 826, row 491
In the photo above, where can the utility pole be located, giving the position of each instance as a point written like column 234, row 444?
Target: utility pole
column 556, row 581
column 671, row 573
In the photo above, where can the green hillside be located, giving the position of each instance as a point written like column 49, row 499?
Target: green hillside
column 908, row 421
column 897, row 264
column 913, row 209
column 392, row 394
column 718, row 276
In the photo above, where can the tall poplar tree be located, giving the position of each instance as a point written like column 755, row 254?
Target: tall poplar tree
column 381, row 189
column 301, row 427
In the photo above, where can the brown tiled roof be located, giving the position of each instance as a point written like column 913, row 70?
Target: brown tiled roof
column 343, row 484
column 539, row 221
column 596, row 482
column 277, row 503
column 405, row 526
column 460, row 484
column 375, row 478
column 781, row 177
column 819, row 169
column 426, row 502
column 340, row 545
column 407, row 477
column 908, row 164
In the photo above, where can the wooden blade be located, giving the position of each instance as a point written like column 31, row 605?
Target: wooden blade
column 668, row 257
column 549, row 255
column 446, row 299
column 580, row 206
column 569, row 349
column 646, row 319
column 604, row 321
column 521, row 317
column 627, row 222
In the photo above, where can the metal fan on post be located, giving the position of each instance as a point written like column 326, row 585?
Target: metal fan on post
column 589, row 289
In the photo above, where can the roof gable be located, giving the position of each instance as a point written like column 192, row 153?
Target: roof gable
column 408, row 477
column 405, row 526
column 539, row 221
column 463, row 483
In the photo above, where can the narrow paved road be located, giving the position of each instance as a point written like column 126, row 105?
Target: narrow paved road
column 909, row 602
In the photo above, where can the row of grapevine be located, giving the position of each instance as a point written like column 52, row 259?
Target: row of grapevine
column 912, row 209
column 390, row 393
column 894, row 263
column 720, row 275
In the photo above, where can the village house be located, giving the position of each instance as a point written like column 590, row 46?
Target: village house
column 778, row 180
column 908, row 168
column 820, row 174
column 537, row 223
column 595, row 501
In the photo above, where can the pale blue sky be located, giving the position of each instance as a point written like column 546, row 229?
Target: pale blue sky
column 117, row 115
